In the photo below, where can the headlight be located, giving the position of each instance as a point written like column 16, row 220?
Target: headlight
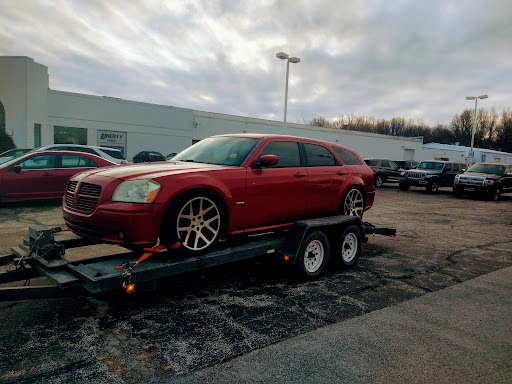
column 137, row 191
column 402, row 174
column 456, row 181
column 489, row 182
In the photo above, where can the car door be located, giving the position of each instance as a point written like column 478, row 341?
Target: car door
column 447, row 175
column 33, row 181
column 66, row 166
column 277, row 194
column 325, row 178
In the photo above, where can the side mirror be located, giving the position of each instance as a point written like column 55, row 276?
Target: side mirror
column 266, row 161
column 17, row 168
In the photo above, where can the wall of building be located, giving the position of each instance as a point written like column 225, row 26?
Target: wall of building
column 461, row 154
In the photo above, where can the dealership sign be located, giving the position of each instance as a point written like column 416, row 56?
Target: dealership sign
column 112, row 139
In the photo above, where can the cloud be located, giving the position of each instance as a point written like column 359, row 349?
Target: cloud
column 413, row 59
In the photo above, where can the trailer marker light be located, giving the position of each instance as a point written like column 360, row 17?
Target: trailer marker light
column 286, row 258
column 130, row 288
column 396, row 233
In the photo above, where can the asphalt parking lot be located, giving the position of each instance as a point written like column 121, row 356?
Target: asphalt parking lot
column 205, row 319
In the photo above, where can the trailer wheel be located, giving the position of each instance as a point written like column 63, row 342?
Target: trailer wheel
column 313, row 256
column 348, row 247
column 194, row 222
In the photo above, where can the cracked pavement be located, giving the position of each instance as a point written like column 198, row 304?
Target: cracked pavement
column 205, row 318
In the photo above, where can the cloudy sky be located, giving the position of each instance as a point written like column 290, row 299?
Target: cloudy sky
column 380, row 58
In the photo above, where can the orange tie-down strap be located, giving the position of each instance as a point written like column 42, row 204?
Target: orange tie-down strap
column 152, row 251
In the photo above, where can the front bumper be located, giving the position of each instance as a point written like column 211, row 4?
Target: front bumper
column 417, row 182
column 118, row 223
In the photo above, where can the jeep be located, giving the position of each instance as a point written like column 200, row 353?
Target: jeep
column 431, row 174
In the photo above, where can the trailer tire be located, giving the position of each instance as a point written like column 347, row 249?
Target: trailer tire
column 348, row 247
column 313, row 256
column 194, row 223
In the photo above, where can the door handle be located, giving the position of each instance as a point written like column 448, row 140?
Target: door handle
column 340, row 173
column 300, row 174
column 47, row 174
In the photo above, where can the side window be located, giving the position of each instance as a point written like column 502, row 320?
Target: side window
column 75, row 161
column 347, row 157
column 448, row 168
column 385, row 164
column 392, row 164
column 38, row 162
column 319, row 156
column 372, row 163
column 287, row 152
column 455, row 167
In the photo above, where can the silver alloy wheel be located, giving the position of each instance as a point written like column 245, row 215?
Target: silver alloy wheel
column 314, row 256
column 349, row 248
column 378, row 181
column 353, row 204
column 433, row 186
column 198, row 223
column 497, row 193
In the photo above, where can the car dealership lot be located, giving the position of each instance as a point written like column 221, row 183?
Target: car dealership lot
column 204, row 318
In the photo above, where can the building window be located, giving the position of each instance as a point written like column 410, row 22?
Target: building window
column 2, row 117
column 37, row 135
column 69, row 135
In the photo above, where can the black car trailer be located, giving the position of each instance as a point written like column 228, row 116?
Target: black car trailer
column 305, row 245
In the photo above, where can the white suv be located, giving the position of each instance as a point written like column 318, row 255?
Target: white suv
column 111, row 154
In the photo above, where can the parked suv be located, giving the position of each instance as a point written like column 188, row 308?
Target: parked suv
column 431, row 175
column 385, row 171
column 487, row 179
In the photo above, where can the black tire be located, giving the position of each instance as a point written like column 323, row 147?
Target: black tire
column 432, row 186
column 495, row 194
column 457, row 191
column 404, row 186
column 378, row 181
column 353, row 203
column 193, row 223
column 313, row 256
column 348, row 247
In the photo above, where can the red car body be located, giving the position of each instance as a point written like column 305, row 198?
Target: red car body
column 43, row 175
column 254, row 198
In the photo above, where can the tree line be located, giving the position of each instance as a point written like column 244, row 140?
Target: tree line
column 493, row 131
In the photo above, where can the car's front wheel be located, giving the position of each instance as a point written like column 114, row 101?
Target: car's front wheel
column 194, row 223
column 353, row 203
column 495, row 194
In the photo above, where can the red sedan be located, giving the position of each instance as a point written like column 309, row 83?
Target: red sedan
column 43, row 175
column 220, row 186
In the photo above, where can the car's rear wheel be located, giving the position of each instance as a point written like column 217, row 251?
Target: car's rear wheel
column 404, row 186
column 353, row 203
column 432, row 186
column 194, row 223
column 378, row 181
column 313, row 256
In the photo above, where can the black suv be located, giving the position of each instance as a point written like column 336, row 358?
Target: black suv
column 431, row 175
column 487, row 179
column 385, row 171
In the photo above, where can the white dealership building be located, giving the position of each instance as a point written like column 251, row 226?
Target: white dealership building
column 35, row 115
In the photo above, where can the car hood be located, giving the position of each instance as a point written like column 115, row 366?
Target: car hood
column 151, row 170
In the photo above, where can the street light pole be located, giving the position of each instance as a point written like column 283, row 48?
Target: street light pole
column 474, row 122
column 284, row 56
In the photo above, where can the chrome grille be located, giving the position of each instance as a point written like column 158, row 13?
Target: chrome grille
column 90, row 189
column 471, row 180
column 415, row 175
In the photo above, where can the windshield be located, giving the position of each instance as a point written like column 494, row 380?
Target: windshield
column 487, row 168
column 219, row 150
column 431, row 165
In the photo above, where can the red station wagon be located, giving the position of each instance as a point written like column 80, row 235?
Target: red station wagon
column 43, row 175
column 222, row 185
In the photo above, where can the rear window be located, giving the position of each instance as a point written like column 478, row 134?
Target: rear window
column 319, row 156
column 347, row 157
